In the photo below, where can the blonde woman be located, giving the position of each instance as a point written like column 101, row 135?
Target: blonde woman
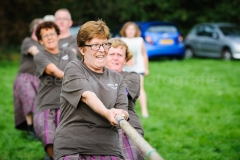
column 118, row 55
column 139, row 62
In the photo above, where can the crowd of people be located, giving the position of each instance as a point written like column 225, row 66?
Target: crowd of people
column 68, row 90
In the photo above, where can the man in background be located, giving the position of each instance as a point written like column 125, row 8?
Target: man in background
column 64, row 21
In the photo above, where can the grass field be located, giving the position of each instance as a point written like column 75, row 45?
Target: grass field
column 194, row 110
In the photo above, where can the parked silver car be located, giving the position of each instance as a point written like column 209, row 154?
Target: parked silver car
column 215, row 40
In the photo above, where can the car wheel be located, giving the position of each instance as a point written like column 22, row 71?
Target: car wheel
column 226, row 55
column 188, row 53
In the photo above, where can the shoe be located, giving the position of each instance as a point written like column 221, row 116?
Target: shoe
column 46, row 157
column 145, row 115
column 32, row 136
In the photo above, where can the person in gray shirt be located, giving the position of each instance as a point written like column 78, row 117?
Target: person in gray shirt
column 91, row 96
column 50, row 65
column 118, row 55
column 64, row 21
column 26, row 83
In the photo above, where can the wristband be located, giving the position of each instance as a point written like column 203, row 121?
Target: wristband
column 149, row 153
column 120, row 121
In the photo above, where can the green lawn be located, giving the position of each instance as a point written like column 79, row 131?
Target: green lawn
column 194, row 110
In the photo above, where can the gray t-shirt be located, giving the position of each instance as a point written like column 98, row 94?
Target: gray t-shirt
column 27, row 64
column 81, row 130
column 132, row 83
column 70, row 42
column 50, row 87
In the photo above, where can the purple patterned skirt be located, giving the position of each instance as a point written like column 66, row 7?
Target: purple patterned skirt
column 25, row 92
column 45, row 124
column 88, row 157
column 128, row 147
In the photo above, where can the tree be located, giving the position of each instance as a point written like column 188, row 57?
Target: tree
column 17, row 15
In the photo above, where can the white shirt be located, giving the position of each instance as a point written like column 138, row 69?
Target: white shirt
column 135, row 46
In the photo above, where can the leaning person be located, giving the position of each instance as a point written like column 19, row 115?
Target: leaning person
column 50, row 65
column 26, row 83
column 118, row 55
column 91, row 97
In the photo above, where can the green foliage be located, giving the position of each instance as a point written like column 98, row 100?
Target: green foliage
column 11, row 53
column 17, row 15
column 193, row 105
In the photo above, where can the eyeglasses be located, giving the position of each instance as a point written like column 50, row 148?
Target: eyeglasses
column 49, row 35
column 96, row 47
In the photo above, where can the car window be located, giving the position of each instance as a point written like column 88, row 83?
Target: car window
column 208, row 31
column 200, row 31
column 165, row 28
column 205, row 30
column 230, row 30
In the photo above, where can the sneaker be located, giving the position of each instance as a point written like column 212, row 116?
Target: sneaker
column 32, row 136
column 145, row 115
column 46, row 157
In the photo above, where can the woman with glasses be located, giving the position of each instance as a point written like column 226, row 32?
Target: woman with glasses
column 91, row 97
column 50, row 65
column 118, row 56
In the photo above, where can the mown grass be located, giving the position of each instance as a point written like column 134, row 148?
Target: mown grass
column 194, row 110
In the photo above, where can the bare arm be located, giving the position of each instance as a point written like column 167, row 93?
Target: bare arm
column 93, row 102
column 33, row 50
column 53, row 70
column 74, row 50
column 145, row 57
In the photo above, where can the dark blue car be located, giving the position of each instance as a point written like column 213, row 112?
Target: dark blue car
column 162, row 39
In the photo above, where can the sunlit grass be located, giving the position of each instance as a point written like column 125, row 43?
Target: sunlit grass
column 193, row 104
column 194, row 108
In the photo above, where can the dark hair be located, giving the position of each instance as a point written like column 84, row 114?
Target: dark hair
column 46, row 25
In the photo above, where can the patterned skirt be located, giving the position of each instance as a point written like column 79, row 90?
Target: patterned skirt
column 25, row 92
column 129, row 149
column 88, row 157
column 45, row 124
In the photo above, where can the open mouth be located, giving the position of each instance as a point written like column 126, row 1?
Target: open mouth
column 102, row 57
column 115, row 64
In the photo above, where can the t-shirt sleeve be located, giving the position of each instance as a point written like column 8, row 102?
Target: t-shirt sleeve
column 132, row 82
column 72, row 56
column 26, row 44
column 122, row 101
column 75, row 83
column 41, row 62
column 73, row 43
